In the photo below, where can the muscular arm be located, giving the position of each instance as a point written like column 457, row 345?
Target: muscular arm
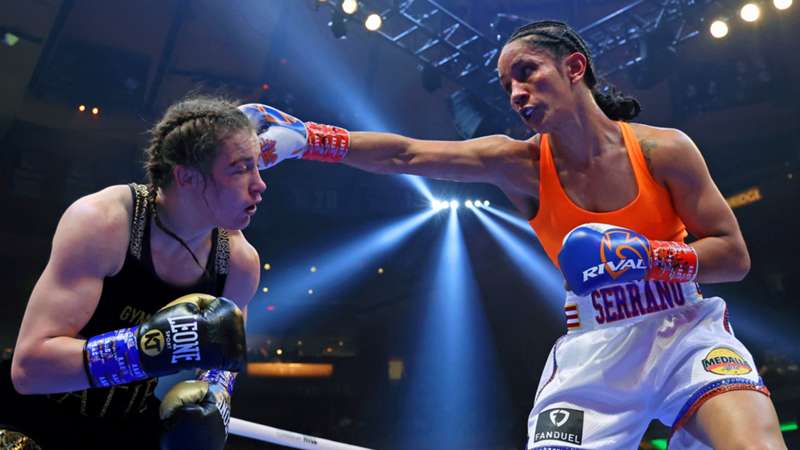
column 475, row 160
column 720, row 247
column 244, row 274
column 89, row 241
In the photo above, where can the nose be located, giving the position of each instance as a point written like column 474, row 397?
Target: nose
column 259, row 186
column 519, row 96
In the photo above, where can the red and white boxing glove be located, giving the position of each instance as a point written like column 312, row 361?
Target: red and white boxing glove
column 283, row 136
column 596, row 255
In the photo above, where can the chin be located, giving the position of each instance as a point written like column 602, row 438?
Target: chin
column 241, row 225
column 238, row 223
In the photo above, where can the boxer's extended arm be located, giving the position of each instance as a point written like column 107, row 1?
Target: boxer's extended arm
column 677, row 163
column 474, row 160
column 88, row 243
column 489, row 159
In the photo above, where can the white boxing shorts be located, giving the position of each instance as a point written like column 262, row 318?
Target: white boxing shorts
column 633, row 353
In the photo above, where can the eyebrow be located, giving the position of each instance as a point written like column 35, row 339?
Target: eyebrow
column 514, row 66
column 239, row 160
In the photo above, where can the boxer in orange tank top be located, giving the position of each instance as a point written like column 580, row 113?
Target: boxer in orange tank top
column 611, row 202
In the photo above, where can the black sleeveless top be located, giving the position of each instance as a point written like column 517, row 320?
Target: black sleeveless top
column 130, row 297
column 136, row 291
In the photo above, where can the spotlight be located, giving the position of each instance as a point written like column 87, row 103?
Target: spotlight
column 313, row 269
column 373, row 22
column 267, row 266
column 380, row 270
column 782, row 4
column 279, row 352
column 310, row 292
column 265, row 290
column 439, row 205
column 477, row 203
column 468, row 203
column 349, row 6
column 338, row 27
column 750, row 12
column 719, row 29
column 95, row 111
column 10, row 39
column 486, row 203
column 454, row 204
column 81, row 108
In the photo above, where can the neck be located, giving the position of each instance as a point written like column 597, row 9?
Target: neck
column 182, row 216
column 584, row 134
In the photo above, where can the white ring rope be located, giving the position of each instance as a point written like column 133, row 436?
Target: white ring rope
column 264, row 433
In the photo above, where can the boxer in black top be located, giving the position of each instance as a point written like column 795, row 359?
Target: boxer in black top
column 103, row 320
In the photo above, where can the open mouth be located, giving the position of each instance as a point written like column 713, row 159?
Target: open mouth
column 527, row 112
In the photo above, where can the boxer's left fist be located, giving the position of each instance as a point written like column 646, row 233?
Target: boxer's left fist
column 283, row 136
column 596, row 255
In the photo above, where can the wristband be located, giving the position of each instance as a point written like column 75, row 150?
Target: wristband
column 222, row 378
column 113, row 358
column 672, row 261
column 326, row 143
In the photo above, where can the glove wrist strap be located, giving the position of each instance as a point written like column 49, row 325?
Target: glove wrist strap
column 222, row 378
column 672, row 261
column 326, row 143
column 113, row 358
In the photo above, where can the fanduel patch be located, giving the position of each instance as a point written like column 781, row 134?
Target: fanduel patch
column 560, row 424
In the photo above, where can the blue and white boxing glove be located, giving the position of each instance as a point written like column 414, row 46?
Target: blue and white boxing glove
column 283, row 136
column 596, row 255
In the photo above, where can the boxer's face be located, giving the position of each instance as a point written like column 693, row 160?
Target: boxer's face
column 538, row 89
column 235, row 185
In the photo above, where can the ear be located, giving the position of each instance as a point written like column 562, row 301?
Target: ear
column 575, row 65
column 185, row 176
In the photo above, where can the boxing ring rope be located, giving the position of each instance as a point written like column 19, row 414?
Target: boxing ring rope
column 264, row 433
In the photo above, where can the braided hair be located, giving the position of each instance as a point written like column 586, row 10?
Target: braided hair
column 561, row 40
column 189, row 134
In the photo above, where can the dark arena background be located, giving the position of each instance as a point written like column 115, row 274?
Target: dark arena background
column 397, row 312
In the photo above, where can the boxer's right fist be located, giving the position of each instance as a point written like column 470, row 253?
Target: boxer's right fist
column 194, row 416
column 283, row 136
column 194, row 331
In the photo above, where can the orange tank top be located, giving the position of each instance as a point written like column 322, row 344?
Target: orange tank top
column 650, row 213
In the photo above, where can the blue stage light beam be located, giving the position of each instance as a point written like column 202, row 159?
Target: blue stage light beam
column 536, row 269
column 454, row 381
column 333, row 74
column 335, row 267
column 419, row 184
column 512, row 219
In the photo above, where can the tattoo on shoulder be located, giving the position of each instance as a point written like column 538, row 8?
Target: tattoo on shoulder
column 648, row 146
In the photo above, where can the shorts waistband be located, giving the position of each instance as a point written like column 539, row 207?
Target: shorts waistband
column 626, row 304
